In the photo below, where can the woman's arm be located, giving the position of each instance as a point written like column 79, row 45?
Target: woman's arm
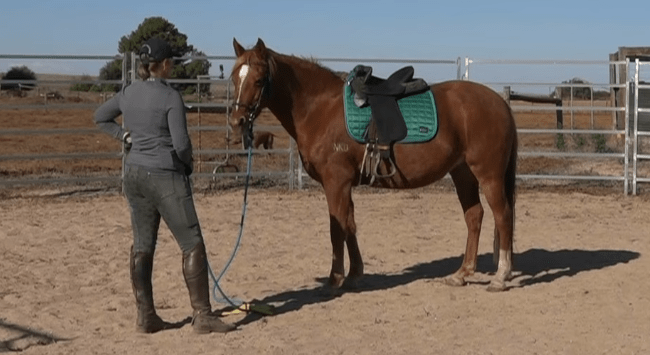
column 105, row 117
column 177, row 122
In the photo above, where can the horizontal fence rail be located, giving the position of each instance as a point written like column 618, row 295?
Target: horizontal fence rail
column 570, row 108
column 573, row 101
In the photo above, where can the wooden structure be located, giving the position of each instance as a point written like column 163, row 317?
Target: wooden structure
column 619, row 76
column 542, row 99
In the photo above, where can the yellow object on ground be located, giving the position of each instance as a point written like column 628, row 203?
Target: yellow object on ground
column 249, row 307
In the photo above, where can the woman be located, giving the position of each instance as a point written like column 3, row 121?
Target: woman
column 157, row 184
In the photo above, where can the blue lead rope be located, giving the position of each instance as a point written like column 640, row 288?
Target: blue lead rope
column 224, row 299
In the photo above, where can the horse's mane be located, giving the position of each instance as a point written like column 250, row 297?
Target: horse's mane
column 310, row 63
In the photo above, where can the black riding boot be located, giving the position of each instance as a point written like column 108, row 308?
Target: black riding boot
column 141, row 267
column 195, row 271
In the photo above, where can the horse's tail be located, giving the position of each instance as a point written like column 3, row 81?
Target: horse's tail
column 511, row 179
column 511, row 194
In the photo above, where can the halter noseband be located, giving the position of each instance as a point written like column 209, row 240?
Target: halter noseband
column 247, row 125
column 252, row 109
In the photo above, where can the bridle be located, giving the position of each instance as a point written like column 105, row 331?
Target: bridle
column 253, row 110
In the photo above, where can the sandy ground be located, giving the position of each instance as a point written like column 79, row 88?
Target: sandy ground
column 582, row 286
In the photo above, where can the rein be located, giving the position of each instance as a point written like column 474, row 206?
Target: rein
column 224, row 298
column 237, row 304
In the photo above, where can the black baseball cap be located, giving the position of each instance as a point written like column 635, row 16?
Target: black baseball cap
column 156, row 50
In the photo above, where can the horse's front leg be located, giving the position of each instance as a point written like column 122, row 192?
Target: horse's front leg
column 356, row 263
column 342, row 231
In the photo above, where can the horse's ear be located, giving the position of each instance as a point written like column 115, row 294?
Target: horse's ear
column 260, row 46
column 239, row 50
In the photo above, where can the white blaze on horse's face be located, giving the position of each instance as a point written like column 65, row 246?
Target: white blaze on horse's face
column 243, row 73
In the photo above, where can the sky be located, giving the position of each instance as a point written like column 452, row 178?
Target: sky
column 438, row 30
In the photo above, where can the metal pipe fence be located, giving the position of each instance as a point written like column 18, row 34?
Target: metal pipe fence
column 52, row 103
column 574, row 98
column 515, row 76
column 638, row 135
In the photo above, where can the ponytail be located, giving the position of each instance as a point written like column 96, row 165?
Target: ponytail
column 147, row 66
column 143, row 71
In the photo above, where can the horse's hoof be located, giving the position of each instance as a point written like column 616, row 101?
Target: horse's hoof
column 454, row 281
column 336, row 281
column 329, row 292
column 350, row 284
column 495, row 286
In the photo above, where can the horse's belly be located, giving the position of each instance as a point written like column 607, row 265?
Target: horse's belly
column 417, row 167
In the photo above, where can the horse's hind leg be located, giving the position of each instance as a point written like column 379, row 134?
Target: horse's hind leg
column 467, row 189
column 503, row 211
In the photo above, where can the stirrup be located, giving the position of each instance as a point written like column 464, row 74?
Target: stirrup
column 383, row 154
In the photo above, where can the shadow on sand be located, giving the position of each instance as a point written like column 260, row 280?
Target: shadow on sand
column 22, row 338
column 535, row 265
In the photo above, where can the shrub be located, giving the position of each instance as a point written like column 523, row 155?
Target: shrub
column 83, row 86
column 110, row 71
column 19, row 73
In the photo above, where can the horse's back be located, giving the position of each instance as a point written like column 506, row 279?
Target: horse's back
column 477, row 119
column 471, row 108
column 470, row 95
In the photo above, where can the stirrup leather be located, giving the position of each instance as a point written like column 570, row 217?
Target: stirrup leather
column 373, row 156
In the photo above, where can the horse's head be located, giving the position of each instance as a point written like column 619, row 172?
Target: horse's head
column 251, row 77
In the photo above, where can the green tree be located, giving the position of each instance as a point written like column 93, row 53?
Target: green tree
column 194, row 69
column 111, row 71
column 155, row 27
column 159, row 27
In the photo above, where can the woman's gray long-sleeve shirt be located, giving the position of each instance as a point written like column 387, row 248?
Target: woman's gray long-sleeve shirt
column 154, row 114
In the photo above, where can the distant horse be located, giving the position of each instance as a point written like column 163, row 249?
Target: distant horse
column 262, row 139
column 476, row 144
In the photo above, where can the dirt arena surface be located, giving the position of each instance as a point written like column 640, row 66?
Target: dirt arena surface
column 580, row 255
column 581, row 286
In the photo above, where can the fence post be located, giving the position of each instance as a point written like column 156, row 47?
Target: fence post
column 626, row 121
column 558, row 113
column 635, row 136
column 125, row 59
column 467, row 63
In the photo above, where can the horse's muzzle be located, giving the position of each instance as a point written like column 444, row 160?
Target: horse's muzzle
column 243, row 130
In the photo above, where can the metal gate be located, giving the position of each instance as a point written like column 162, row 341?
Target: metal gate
column 639, row 120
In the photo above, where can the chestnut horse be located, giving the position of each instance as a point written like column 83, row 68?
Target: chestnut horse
column 476, row 144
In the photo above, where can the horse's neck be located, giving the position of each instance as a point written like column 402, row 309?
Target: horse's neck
column 282, row 107
column 293, row 93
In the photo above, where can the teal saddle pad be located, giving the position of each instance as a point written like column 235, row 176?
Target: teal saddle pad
column 419, row 112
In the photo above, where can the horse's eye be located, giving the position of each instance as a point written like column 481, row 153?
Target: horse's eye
column 259, row 83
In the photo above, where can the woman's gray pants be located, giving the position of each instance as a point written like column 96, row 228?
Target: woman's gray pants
column 153, row 194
